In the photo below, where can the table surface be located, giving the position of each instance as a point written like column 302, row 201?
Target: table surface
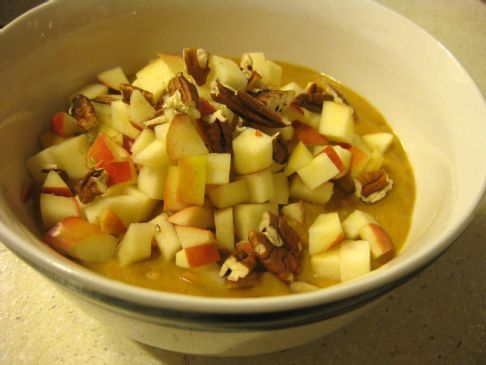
column 438, row 317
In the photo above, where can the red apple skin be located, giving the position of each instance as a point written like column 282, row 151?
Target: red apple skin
column 120, row 172
column 128, row 143
column 63, row 125
column 59, row 191
column 111, row 223
column 202, row 255
column 68, row 232
column 205, row 107
column 333, row 156
column 100, row 152
column 308, row 135
column 383, row 243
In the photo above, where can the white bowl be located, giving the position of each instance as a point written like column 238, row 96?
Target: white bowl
column 426, row 95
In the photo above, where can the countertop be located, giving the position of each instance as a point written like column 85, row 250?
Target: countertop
column 439, row 317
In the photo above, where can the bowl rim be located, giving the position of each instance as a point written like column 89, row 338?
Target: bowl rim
column 74, row 275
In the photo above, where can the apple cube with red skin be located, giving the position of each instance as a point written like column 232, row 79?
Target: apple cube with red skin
column 252, row 151
column 355, row 259
column 299, row 157
column 192, row 174
column 54, row 208
column 197, row 256
column 340, row 157
column 183, row 139
column 325, row 232
column 195, row 216
column 230, row 194
column 359, row 161
column 295, row 211
column 171, row 190
column 121, row 172
column 136, row 244
column 111, row 223
column 337, row 122
column 225, row 235
column 82, row 240
column 320, row 170
column 54, row 184
column 192, row 236
column 327, row 264
column 101, row 151
column 355, row 221
column 380, row 242
column 320, row 195
column 308, row 135
column 113, row 78
column 64, row 125
column 166, row 237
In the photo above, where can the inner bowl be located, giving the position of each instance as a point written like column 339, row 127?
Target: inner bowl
column 427, row 97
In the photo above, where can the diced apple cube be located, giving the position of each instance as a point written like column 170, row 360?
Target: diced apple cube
column 260, row 186
column 218, row 168
column 113, row 78
column 111, row 223
column 54, row 184
column 151, row 181
column 380, row 141
column 197, row 256
column 325, row 232
column 227, row 72
column 320, row 170
column 161, row 131
column 354, row 222
column 230, row 194
column 166, row 237
column 136, row 244
column 192, row 236
column 252, row 151
column 225, row 235
column 145, row 137
column 327, row 265
column 247, row 217
column 308, row 135
column 294, row 211
column 337, row 122
column 91, row 91
column 359, row 161
column 192, row 174
column 355, row 259
column 121, row 172
column 195, row 216
column 64, row 125
column 71, row 156
column 320, row 195
column 140, row 108
column 181, row 259
column 270, row 72
column 300, row 157
column 171, row 190
column 120, row 119
column 375, row 162
column 380, row 242
column 281, row 188
column 36, row 163
column 55, row 208
column 154, row 154
column 183, row 140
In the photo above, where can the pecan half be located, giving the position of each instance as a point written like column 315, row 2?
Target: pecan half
column 197, row 64
column 188, row 91
column 254, row 112
column 373, row 186
column 280, row 152
column 94, row 183
column 240, row 263
column 277, row 100
column 84, row 112
column 127, row 89
column 218, row 133
column 281, row 261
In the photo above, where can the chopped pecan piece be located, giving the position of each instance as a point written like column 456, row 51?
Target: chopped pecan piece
column 269, row 227
column 94, row 183
column 280, row 152
column 187, row 90
column 127, row 89
column 277, row 100
column 197, row 64
column 281, row 261
column 105, row 99
column 254, row 112
column 240, row 263
column 218, row 133
column 313, row 99
column 373, row 186
column 255, row 84
column 84, row 112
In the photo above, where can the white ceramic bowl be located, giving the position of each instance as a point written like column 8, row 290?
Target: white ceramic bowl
column 429, row 99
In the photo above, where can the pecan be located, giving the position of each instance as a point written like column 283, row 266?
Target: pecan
column 313, row 99
column 218, row 133
column 127, row 89
column 94, row 183
column 254, row 112
column 280, row 152
column 281, row 261
column 84, row 112
column 240, row 263
column 255, row 84
column 373, row 186
column 197, row 64
column 277, row 100
column 105, row 99
column 187, row 90
column 269, row 227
